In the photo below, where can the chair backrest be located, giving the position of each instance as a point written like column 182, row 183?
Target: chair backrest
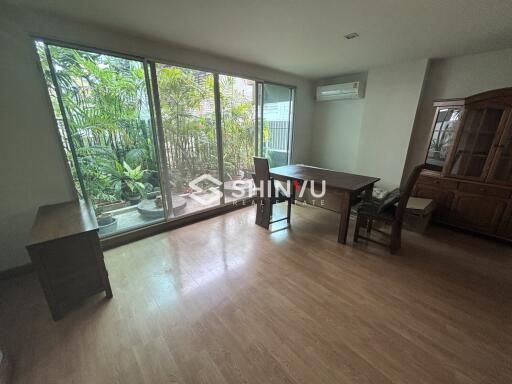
column 405, row 191
column 261, row 174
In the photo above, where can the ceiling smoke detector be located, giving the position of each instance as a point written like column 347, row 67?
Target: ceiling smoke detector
column 352, row 35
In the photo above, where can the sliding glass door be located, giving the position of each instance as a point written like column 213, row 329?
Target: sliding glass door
column 148, row 142
column 101, row 106
column 276, row 111
column 238, row 124
column 186, row 115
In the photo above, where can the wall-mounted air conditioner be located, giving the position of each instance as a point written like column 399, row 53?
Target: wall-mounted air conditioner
column 339, row 91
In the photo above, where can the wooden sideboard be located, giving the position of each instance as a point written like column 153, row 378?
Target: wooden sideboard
column 470, row 205
column 469, row 163
column 65, row 250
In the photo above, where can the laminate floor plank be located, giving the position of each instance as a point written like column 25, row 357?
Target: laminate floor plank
column 225, row 301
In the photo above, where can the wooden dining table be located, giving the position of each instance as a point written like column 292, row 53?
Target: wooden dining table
column 349, row 187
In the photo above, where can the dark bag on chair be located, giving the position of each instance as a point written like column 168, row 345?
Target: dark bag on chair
column 390, row 200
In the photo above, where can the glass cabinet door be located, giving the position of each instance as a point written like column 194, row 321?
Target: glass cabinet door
column 475, row 142
column 501, row 171
column 442, row 137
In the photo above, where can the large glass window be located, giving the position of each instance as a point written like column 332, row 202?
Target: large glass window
column 101, row 106
column 148, row 142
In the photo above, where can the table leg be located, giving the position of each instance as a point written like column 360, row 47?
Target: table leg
column 368, row 196
column 267, row 213
column 368, row 193
column 344, row 217
column 108, row 288
column 263, row 212
column 259, row 211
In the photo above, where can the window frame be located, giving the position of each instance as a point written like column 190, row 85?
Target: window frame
column 148, row 63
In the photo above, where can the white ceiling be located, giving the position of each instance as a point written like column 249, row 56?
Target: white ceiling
column 305, row 37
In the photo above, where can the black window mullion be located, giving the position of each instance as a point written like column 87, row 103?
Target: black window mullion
column 262, row 119
column 256, row 117
column 290, row 122
column 159, row 140
column 218, row 130
column 65, row 122
column 161, row 137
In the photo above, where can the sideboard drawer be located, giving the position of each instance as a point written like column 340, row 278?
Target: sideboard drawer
column 480, row 189
column 438, row 182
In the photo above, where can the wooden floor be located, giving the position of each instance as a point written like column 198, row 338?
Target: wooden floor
column 224, row 301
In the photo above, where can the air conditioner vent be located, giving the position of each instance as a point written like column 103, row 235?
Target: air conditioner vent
column 339, row 91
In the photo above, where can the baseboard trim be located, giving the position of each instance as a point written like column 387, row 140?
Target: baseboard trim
column 16, row 271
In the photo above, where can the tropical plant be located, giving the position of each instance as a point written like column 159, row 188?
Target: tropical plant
column 237, row 128
column 105, row 102
column 188, row 117
column 125, row 179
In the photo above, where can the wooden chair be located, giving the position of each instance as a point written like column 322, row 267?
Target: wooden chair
column 387, row 212
column 267, row 198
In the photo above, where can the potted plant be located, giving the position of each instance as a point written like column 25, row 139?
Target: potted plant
column 106, row 220
column 128, row 181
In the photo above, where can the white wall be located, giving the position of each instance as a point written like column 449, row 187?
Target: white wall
column 387, row 147
column 337, row 126
column 454, row 78
column 33, row 170
column 371, row 136
column 392, row 96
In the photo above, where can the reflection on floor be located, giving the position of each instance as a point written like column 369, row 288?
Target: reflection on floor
column 225, row 301
column 126, row 219
column 131, row 217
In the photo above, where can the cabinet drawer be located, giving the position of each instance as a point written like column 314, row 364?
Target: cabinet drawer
column 437, row 182
column 480, row 213
column 72, row 288
column 480, row 189
column 506, row 230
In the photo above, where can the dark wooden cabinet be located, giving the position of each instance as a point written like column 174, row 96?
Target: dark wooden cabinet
column 65, row 249
column 505, row 229
column 469, row 163
column 477, row 213
column 475, row 206
column 475, row 143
